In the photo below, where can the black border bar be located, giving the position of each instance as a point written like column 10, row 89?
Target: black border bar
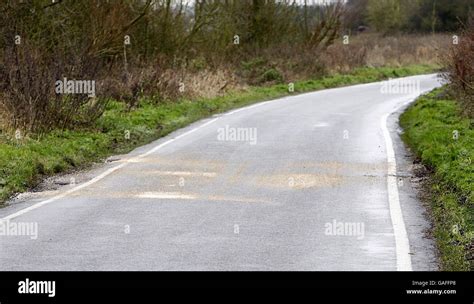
column 348, row 286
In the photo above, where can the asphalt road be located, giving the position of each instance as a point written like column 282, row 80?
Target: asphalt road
column 309, row 183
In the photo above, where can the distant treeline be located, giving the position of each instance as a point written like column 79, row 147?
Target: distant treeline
column 410, row 15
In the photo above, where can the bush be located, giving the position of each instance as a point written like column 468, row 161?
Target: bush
column 28, row 100
column 460, row 70
column 271, row 75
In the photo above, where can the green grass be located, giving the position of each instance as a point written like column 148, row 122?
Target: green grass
column 429, row 125
column 24, row 163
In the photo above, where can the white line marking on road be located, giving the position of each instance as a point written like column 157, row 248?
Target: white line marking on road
column 402, row 243
column 64, row 194
column 166, row 195
column 217, row 198
column 184, row 173
column 102, row 175
column 251, row 107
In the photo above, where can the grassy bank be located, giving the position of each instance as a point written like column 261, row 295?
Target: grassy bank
column 24, row 162
column 444, row 142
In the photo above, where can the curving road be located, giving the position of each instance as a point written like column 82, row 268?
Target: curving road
column 318, row 181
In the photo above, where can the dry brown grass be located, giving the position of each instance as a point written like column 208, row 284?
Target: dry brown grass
column 172, row 84
column 375, row 50
column 208, row 83
column 365, row 50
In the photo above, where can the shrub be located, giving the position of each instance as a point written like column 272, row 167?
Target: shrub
column 271, row 75
column 28, row 100
column 460, row 70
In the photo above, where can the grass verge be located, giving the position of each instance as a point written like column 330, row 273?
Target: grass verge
column 24, row 162
column 444, row 141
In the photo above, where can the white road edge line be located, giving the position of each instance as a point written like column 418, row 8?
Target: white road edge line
column 402, row 243
column 252, row 106
column 102, row 175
